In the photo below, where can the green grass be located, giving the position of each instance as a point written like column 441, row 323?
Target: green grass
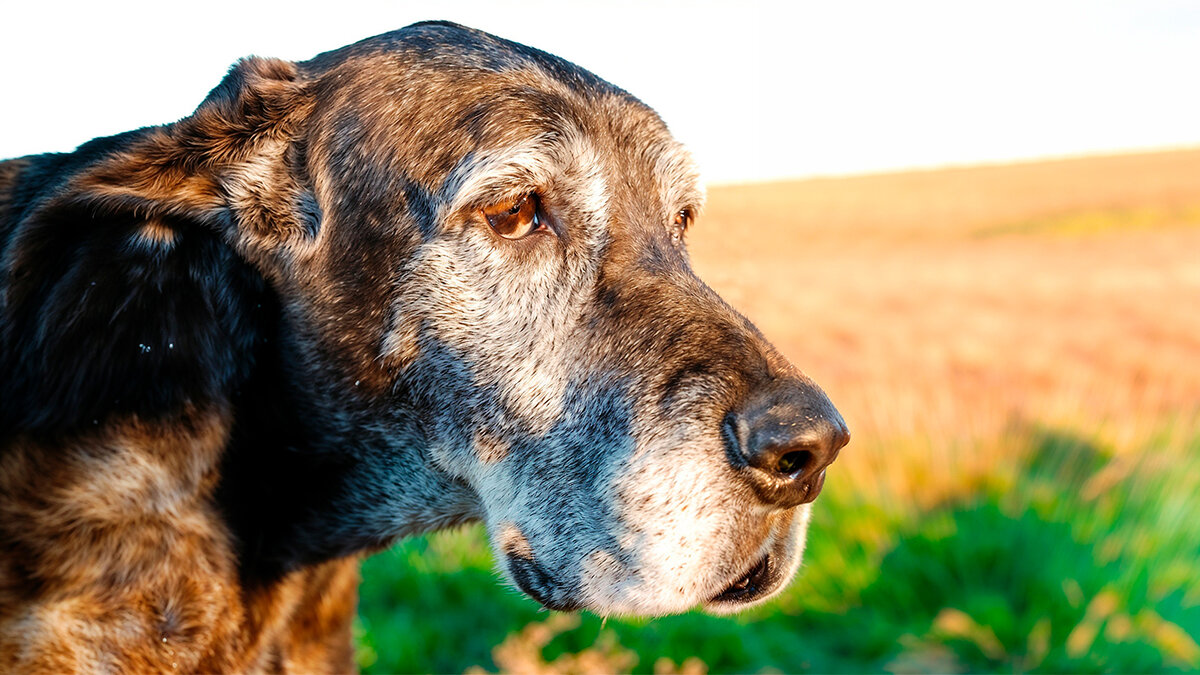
column 1070, row 557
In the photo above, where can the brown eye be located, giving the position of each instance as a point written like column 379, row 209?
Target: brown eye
column 682, row 221
column 513, row 220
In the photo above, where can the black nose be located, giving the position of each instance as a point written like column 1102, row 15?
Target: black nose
column 782, row 438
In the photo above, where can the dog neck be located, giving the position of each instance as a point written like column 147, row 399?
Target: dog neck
column 304, row 481
column 157, row 324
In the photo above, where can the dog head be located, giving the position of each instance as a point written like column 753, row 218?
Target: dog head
column 479, row 253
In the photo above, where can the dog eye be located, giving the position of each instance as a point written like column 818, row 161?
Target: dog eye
column 680, row 224
column 514, row 220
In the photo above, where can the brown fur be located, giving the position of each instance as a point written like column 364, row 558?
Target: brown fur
column 242, row 350
column 116, row 560
column 116, row 557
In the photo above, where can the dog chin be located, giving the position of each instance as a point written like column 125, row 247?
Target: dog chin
column 768, row 574
column 609, row 588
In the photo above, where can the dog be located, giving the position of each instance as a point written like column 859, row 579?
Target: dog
column 430, row 278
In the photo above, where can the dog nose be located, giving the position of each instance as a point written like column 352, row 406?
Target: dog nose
column 783, row 438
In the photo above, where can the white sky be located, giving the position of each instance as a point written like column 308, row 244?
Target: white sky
column 757, row 89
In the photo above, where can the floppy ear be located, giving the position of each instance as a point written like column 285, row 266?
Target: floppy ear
column 131, row 281
column 227, row 164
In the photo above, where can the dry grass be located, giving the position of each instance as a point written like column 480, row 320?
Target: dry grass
column 950, row 303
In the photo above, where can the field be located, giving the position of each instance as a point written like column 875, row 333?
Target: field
column 1017, row 352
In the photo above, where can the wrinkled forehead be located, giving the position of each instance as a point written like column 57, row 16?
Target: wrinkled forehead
column 464, row 120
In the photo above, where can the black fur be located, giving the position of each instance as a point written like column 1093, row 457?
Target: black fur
column 99, row 324
column 140, row 277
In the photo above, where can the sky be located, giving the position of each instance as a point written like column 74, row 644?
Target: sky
column 759, row 90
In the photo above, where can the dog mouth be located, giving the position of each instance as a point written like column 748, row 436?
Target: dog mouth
column 757, row 582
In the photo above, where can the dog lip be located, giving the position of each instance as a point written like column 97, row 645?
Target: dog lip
column 752, row 584
column 560, row 605
column 539, row 584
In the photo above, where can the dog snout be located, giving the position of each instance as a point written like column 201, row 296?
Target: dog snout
column 783, row 438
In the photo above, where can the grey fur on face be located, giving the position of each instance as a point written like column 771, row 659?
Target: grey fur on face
column 574, row 388
column 430, row 278
column 576, row 385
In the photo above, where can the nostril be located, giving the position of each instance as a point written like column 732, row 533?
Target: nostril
column 782, row 438
column 795, row 462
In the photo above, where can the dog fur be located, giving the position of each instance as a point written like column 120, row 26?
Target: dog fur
column 244, row 349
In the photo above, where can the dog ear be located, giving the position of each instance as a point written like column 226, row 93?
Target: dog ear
column 228, row 164
column 122, row 291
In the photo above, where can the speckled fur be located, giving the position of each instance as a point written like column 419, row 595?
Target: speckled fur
column 246, row 348
column 117, row 560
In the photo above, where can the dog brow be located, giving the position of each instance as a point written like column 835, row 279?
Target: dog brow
column 507, row 172
column 679, row 177
column 488, row 176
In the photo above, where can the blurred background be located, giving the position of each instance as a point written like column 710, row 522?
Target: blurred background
column 977, row 225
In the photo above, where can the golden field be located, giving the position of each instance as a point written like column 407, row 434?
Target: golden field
column 955, row 303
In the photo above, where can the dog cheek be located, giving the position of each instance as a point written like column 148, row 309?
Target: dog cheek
column 491, row 448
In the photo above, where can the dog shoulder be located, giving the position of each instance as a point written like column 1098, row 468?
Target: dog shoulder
column 114, row 558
